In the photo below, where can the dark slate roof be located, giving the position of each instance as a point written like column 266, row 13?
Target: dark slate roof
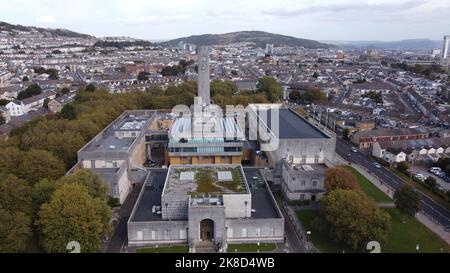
column 292, row 126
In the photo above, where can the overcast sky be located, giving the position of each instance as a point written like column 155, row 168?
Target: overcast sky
column 164, row 19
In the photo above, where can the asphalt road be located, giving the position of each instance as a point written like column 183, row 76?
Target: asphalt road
column 120, row 235
column 428, row 205
column 289, row 230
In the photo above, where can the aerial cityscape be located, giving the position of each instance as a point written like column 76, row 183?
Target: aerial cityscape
column 140, row 140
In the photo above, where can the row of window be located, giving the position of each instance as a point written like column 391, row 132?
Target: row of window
column 167, row 234
column 303, row 159
column 206, row 150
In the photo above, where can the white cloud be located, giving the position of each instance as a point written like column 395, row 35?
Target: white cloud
column 316, row 19
column 156, row 19
column 47, row 19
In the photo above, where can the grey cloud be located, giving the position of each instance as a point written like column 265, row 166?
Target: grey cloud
column 388, row 7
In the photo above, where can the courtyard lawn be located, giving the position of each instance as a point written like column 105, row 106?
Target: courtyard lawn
column 165, row 249
column 403, row 238
column 320, row 239
column 263, row 247
column 370, row 189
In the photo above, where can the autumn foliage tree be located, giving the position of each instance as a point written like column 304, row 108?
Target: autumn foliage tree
column 15, row 213
column 340, row 178
column 74, row 215
column 352, row 218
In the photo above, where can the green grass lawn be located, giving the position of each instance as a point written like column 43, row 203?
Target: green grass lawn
column 165, row 249
column 403, row 238
column 320, row 239
column 369, row 188
column 263, row 247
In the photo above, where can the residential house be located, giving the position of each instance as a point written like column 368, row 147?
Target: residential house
column 366, row 139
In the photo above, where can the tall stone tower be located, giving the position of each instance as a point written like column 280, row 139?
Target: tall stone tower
column 204, row 75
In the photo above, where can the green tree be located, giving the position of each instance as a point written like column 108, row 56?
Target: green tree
column 313, row 94
column 65, row 91
column 142, row 76
column 3, row 102
column 340, row 178
column 295, row 95
column 10, row 158
column 353, row 218
column 403, row 167
column 45, row 104
column 39, row 164
column 431, row 182
column 90, row 180
column 52, row 74
column 68, row 112
column 270, row 87
column 407, row 200
column 15, row 230
column 30, row 91
column 73, row 215
column 15, row 210
column 42, row 192
column 90, row 87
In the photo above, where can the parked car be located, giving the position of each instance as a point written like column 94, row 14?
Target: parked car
column 435, row 170
column 377, row 165
column 354, row 150
column 420, row 176
column 150, row 163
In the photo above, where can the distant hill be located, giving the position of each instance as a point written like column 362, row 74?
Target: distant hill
column 258, row 37
column 395, row 45
column 46, row 31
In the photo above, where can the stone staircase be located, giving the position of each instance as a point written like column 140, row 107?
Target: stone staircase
column 205, row 247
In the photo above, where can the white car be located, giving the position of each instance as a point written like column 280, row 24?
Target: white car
column 420, row 176
column 435, row 170
column 354, row 150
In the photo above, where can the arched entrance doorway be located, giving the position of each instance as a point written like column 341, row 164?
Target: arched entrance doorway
column 207, row 230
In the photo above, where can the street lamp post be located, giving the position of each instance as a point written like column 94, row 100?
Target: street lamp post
column 412, row 170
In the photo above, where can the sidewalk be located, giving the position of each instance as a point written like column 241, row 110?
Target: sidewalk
column 422, row 218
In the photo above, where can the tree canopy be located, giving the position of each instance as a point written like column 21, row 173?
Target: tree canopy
column 353, row 218
column 270, row 87
column 340, row 178
column 15, row 213
column 407, row 200
column 32, row 90
column 73, row 215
